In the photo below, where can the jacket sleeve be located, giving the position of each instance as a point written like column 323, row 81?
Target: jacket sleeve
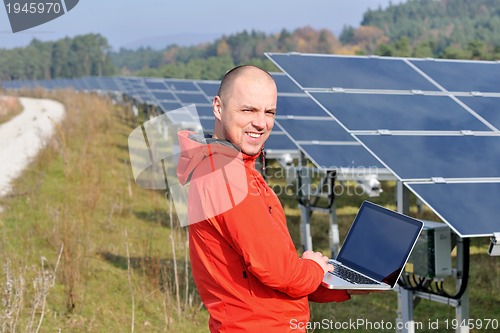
column 267, row 249
column 324, row 295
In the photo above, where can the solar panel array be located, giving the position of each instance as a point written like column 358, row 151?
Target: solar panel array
column 433, row 123
column 297, row 113
column 309, row 127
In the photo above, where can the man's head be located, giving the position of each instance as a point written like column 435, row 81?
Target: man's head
column 245, row 107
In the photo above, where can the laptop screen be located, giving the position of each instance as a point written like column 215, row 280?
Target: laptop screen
column 379, row 242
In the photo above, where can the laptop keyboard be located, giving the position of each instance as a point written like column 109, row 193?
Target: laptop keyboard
column 350, row 275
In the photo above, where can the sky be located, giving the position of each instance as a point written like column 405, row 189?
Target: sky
column 131, row 23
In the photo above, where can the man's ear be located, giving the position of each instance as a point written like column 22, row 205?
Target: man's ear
column 217, row 107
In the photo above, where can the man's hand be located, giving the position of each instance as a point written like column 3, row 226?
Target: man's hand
column 320, row 259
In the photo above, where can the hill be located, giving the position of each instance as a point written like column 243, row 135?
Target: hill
column 443, row 29
column 459, row 29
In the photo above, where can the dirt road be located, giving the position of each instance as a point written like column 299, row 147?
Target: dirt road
column 23, row 136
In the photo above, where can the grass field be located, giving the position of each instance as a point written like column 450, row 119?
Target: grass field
column 86, row 250
column 375, row 308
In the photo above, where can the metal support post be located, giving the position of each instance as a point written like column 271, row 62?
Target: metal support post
column 303, row 193
column 334, row 237
column 462, row 309
column 305, row 227
column 333, row 233
column 405, row 296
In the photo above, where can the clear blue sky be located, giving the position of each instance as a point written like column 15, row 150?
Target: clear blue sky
column 128, row 23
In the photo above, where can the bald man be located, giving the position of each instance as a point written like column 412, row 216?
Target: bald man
column 244, row 262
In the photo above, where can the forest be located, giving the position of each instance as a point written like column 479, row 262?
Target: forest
column 450, row 29
column 84, row 55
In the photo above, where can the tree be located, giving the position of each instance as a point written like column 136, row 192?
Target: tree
column 370, row 37
column 60, row 56
column 476, row 49
column 284, row 43
column 423, row 50
column 327, row 42
column 223, row 48
column 347, row 35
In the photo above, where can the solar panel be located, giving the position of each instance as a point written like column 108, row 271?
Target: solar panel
column 298, row 106
column 487, row 107
column 155, row 85
column 278, row 141
column 85, row 84
column 321, row 129
column 296, row 111
column 465, row 76
column 163, row 95
column 180, row 85
column 78, row 84
column 108, row 84
column 285, row 85
column 207, row 125
column 179, row 117
column 169, row 106
column 11, row 84
column 433, row 123
column 471, row 209
column 437, row 156
column 294, row 107
column 61, row 84
column 192, row 98
column 399, row 112
column 145, row 97
column 135, row 87
column 205, row 111
column 327, row 72
column 93, row 83
column 45, row 84
column 210, row 88
column 334, row 157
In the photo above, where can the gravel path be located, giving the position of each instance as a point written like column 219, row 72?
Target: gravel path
column 23, row 136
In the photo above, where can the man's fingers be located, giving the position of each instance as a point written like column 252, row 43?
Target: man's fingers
column 319, row 258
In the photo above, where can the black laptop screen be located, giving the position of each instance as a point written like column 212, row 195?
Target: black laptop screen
column 379, row 242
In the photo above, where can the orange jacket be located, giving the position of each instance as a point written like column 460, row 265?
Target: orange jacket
column 244, row 263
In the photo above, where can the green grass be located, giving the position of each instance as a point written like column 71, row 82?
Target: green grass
column 116, row 272
column 484, row 280
column 116, row 268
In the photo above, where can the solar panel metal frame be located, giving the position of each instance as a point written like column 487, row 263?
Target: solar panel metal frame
column 444, row 214
column 358, row 135
column 457, row 75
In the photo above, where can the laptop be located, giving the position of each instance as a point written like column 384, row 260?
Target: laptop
column 375, row 250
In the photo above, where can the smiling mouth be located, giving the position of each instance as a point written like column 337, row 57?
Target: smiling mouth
column 254, row 135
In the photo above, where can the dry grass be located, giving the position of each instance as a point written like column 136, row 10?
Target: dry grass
column 117, row 271
column 484, row 280
column 124, row 261
column 9, row 108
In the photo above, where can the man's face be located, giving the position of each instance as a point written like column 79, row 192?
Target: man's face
column 247, row 112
